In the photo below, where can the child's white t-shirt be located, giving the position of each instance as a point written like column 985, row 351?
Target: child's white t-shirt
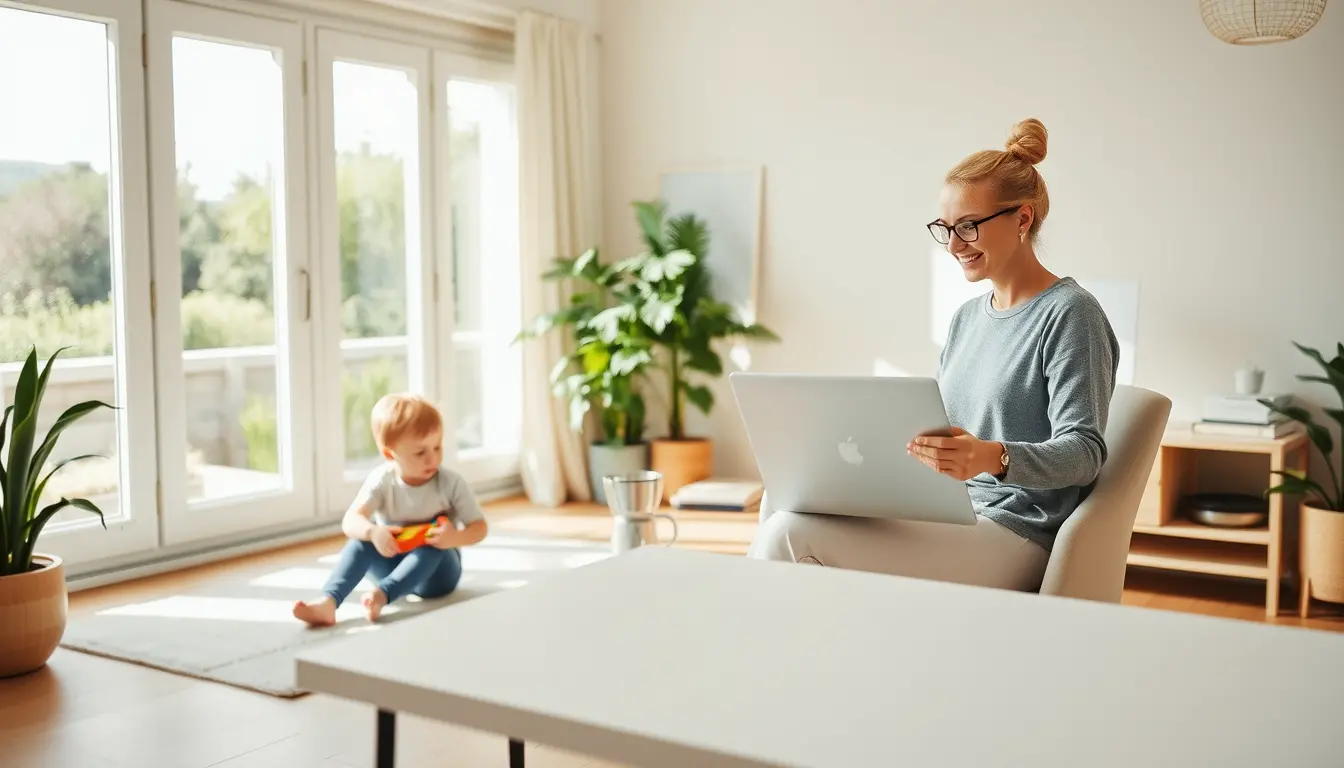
column 395, row 502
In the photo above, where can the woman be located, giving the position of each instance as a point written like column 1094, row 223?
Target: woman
column 1027, row 375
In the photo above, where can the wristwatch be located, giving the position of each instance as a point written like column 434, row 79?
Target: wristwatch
column 1003, row 461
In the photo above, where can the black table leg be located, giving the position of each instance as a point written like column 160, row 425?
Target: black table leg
column 387, row 739
column 515, row 753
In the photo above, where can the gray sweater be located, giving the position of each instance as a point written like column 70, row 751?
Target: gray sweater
column 1037, row 378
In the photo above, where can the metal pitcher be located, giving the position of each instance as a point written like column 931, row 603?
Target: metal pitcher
column 633, row 498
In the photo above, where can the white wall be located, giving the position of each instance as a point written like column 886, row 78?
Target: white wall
column 1200, row 169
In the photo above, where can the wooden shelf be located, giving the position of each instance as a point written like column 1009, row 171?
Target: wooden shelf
column 1189, row 463
column 1175, row 554
column 1187, row 530
column 1180, row 435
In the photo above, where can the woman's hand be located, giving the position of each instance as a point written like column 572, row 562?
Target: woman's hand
column 960, row 455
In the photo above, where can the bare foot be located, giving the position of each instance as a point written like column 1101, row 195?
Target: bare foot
column 374, row 602
column 316, row 613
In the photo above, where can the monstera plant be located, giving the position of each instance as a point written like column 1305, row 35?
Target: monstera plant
column 32, row 585
column 668, row 293
column 653, row 312
column 1322, row 529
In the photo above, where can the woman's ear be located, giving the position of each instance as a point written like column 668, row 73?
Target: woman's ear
column 1025, row 216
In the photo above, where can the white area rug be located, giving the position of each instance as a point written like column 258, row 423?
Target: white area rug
column 238, row 630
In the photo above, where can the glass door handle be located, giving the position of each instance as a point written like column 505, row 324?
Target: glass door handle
column 307, row 294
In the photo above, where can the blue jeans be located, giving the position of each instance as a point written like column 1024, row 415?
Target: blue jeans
column 424, row 571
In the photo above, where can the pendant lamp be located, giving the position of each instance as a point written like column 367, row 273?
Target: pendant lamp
column 1256, row 22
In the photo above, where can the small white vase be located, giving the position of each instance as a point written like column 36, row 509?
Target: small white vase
column 1249, row 381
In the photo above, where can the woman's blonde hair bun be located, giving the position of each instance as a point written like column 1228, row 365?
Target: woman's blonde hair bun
column 1012, row 172
column 1027, row 142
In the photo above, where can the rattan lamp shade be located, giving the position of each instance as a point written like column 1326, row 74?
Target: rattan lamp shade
column 1255, row 22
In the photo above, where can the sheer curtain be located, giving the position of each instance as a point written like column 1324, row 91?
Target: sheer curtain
column 559, row 204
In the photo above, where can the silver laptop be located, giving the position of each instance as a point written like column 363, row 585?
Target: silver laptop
column 836, row 445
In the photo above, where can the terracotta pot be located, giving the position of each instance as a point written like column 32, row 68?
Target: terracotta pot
column 1322, row 555
column 32, row 615
column 682, row 462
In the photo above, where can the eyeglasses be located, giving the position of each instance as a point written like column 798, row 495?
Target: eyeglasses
column 968, row 231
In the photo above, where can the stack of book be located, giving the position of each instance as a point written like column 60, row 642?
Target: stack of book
column 718, row 495
column 1245, row 416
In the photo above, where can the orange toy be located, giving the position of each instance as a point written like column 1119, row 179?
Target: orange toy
column 413, row 536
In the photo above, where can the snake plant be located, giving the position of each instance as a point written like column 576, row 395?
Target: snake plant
column 23, row 470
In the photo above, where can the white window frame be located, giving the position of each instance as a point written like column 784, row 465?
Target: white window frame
column 451, row 50
column 137, row 529
column 501, row 364
column 185, row 520
column 331, row 46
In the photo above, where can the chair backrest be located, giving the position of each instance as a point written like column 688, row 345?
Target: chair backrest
column 1088, row 558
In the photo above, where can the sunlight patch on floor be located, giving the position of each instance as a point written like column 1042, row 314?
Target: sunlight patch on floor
column 482, row 559
column 498, row 541
column 562, row 525
column 293, row 578
column 308, row 579
column 249, row 609
column 492, row 557
column 362, row 629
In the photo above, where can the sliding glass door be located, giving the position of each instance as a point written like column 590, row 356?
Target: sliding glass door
column 74, row 257
column 245, row 229
column 479, row 369
column 232, row 280
column 378, row 277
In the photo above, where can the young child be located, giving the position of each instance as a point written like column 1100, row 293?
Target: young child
column 411, row 488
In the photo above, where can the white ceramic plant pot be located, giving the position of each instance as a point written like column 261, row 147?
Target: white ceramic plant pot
column 605, row 460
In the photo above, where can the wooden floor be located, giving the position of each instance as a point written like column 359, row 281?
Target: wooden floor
column 87, row 712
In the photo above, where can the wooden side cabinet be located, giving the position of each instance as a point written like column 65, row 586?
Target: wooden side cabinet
column 1190, row 463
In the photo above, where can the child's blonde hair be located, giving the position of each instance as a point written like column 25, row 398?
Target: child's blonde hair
column 401, row 415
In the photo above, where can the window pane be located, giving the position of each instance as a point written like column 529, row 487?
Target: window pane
column 468, row 105
column 57, row 267
column 376, row 136
column 371, row 371
column 228, row 123
column 482, row 153
column 467, row 369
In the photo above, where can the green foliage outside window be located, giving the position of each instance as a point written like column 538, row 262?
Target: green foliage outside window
column 56, row 257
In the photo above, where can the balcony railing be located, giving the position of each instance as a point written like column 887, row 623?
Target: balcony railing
column 220, row 383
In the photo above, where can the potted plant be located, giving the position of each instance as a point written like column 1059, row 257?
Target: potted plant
column 601, row 373
column 667, row 290
column 1322, row 532
column 32, row 584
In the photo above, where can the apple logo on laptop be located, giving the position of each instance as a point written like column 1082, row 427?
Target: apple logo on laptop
column 849, row 451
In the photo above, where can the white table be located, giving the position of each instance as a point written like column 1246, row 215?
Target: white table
column 673, row 658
